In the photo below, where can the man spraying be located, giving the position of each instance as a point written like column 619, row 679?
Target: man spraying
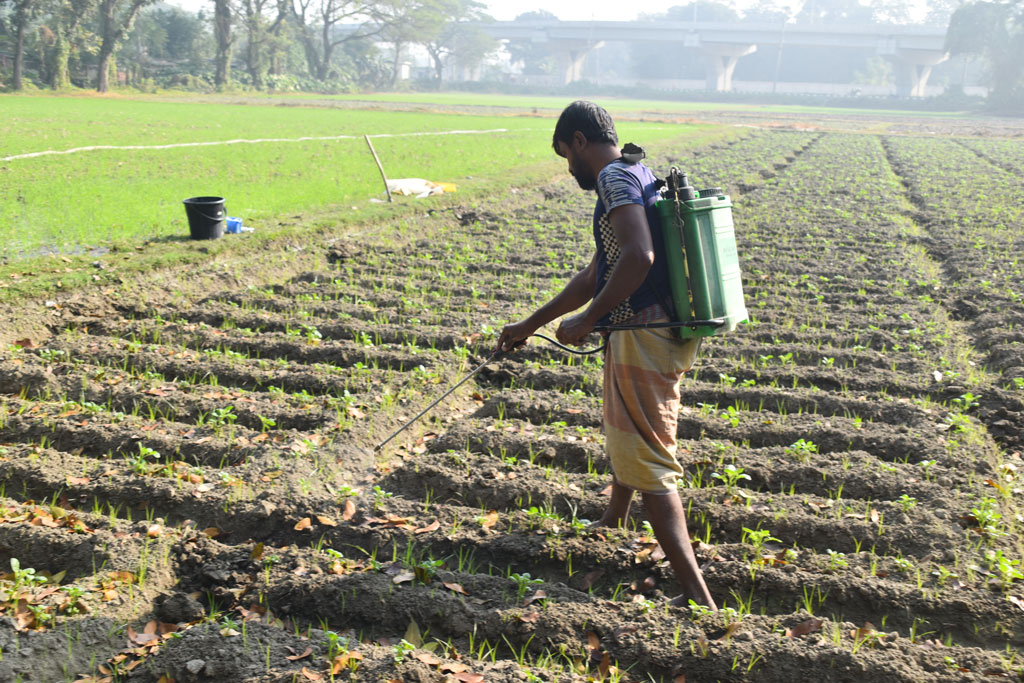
column 624, row 284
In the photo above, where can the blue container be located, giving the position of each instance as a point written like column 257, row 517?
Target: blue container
column 234, row 225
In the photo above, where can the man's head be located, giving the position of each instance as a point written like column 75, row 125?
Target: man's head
column 585, row 136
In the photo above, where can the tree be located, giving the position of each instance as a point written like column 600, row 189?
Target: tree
column 536, row 58
column 65, row 24
column 892, row 11
column 116, row 20
column 940, row 11
column 834, row 12
column 222, row 36
column 318, row 22
column 767, row 13
column 403, row 22
column 995, row 31
column 457, row 37
column 259, row 31
column 23, row 11
column 167, row 41
column 701, row 10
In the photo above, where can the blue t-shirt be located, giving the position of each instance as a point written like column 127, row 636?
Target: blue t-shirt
column 621, row 183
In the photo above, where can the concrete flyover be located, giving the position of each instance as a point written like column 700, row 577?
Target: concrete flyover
column 914, row 50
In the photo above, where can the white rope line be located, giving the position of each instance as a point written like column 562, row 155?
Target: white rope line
column 175, row 145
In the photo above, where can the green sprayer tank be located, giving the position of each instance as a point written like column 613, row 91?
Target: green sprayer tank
column 703, row 265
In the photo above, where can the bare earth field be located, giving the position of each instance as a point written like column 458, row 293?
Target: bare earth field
column 190, row 466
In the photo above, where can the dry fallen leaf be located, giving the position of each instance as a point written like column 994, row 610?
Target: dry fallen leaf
column 303, row 523
column 403, row 577
column 350, row 510
column 311, row 675
column 294, row 658
column 326, row 521
column 211, row 532
column 455, row 587
column 539, row 595
column 341, row 661
column 257, row 551
column 730, row 631
column 490, row 519
column 804, row 627
column 413, row 634
column 605, row 667
column 433, row 526
column 427, row 658
column 453, row 668
column 593, row 642
column 469, row 677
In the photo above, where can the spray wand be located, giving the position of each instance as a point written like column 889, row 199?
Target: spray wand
column 500, row 353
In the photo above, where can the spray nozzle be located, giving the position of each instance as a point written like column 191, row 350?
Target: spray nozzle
column 678, row 186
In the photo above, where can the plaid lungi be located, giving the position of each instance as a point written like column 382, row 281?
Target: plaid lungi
column 642, row 369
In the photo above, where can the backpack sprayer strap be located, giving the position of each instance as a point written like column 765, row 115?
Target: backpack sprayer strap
column 692, row 324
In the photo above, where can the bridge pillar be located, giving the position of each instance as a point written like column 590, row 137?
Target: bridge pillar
column 720, row 62
column 913, row 67
column 573, row 57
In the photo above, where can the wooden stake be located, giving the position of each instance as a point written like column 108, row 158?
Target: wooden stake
column 379, row 167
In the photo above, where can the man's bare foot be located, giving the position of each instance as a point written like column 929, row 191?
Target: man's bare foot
column 617, row 512
column 607, row 521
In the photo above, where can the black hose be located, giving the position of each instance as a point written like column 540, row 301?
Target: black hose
column 569, row 349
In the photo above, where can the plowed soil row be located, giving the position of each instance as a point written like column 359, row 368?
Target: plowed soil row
column 195, row 474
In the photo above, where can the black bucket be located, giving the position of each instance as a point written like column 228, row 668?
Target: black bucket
column 206, row 216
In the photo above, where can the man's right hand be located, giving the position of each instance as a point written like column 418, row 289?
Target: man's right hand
column 514, row 335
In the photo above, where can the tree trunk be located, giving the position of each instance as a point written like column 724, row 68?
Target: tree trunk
column 396, row 65
column 252, row 63
column 325, row 61
column 438, row 58
column 61, row 77
column 107, row 9
column 112, row 32
column 312, row 56
column 253, row 46
column 19, row 52
column 222, row 33
column 103, row 70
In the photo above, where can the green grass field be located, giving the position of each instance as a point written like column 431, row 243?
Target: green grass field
column 616, row 105
column 61, row 202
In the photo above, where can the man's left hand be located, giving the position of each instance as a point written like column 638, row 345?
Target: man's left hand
column 574, row 329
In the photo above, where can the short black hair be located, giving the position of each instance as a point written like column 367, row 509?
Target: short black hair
column 588, row 118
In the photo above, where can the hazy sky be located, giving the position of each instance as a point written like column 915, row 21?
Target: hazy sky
column 566, row 10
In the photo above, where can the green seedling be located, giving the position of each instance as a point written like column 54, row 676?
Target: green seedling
column 836, row 560
column 1003, row 567
column 802, row 450
column 927, row 466
column 988, row 518
column 966, row 401
column 730, row 475
column 401, row 650
column 907, row 502
column 523, row 582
